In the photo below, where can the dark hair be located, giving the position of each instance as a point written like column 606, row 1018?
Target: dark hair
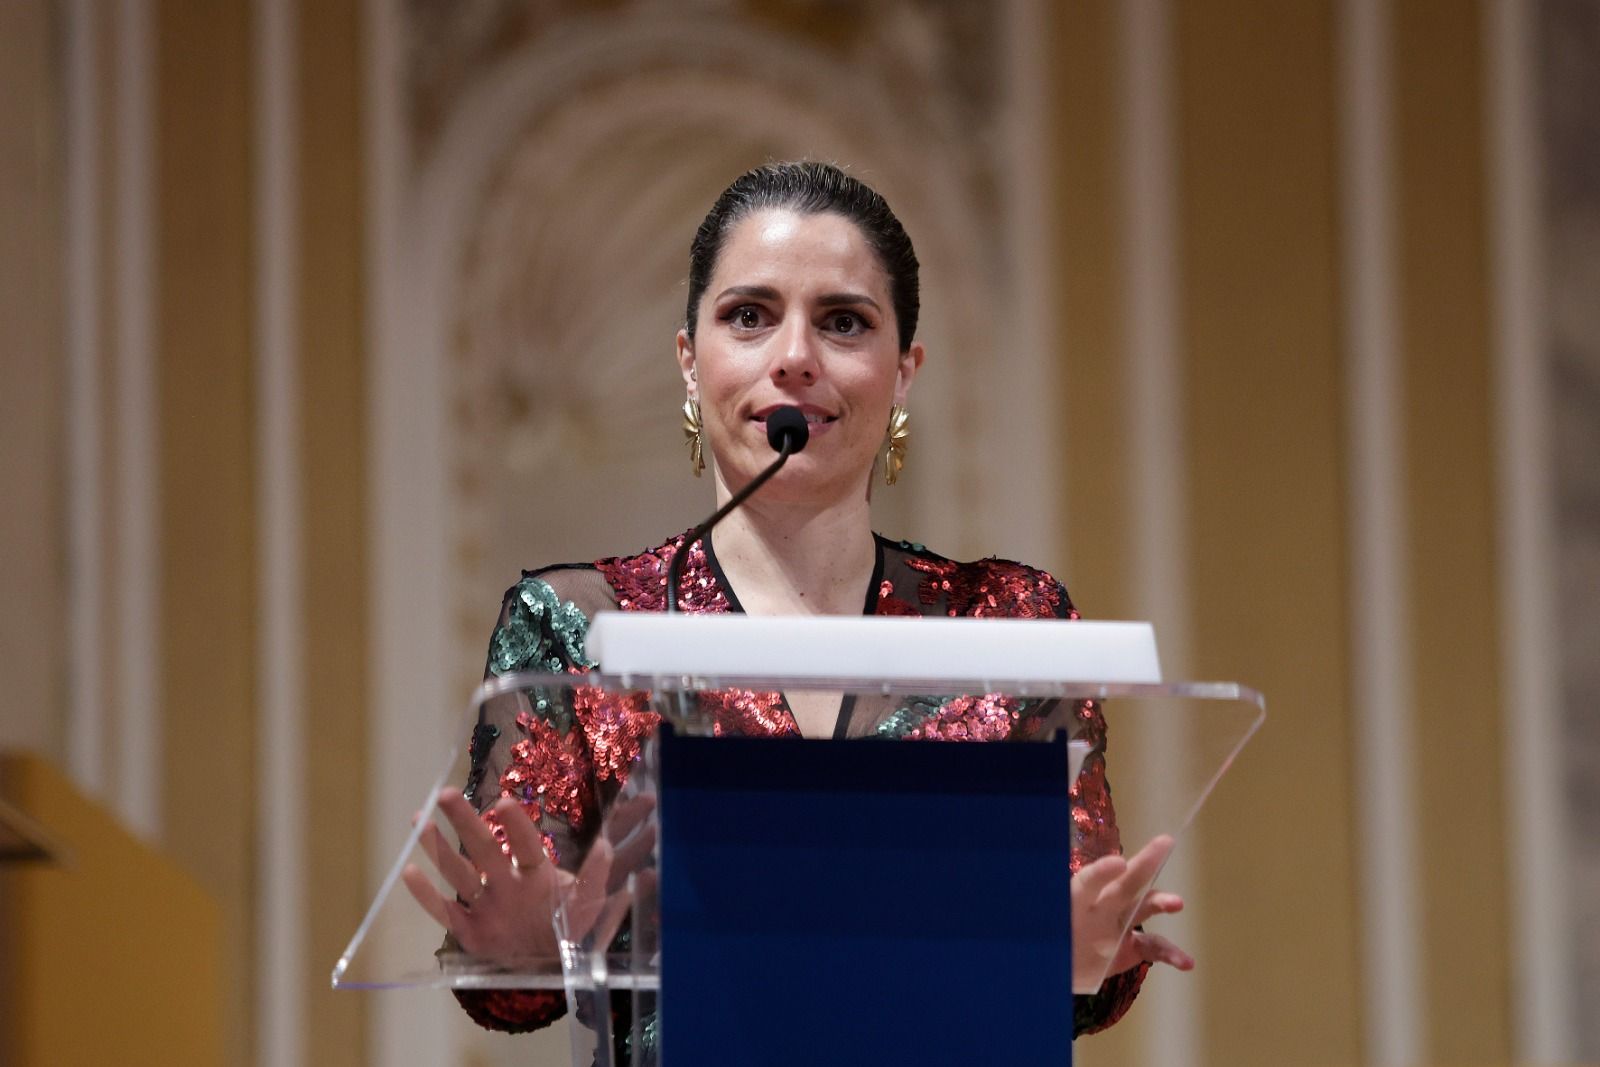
column 811, row 189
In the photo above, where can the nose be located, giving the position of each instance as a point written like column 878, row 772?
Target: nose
column 796, row 354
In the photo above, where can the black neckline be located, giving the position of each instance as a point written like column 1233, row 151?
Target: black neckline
column 869, row 605
column 847, row 704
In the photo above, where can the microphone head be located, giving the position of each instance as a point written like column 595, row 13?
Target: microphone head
column 787, row 422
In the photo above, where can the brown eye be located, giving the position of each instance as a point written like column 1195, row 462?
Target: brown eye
column 846, row 322
column 747, row 317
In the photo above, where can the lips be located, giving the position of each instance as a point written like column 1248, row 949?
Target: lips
column 815, row 416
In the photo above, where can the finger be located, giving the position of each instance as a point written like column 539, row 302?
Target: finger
column 614, row 910
column 635, row 853
column 522, row 834
column 627, row 815
column 452, row 866
column 1093, row 877
column 424, row 893
column 1144, row 865
column 587, row 895
column 1153, row 948
column 458, row 920
column 1156, row 902
column 476, row 837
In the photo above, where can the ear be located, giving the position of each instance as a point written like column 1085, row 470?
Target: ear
column 685, row 350
column 910, row 363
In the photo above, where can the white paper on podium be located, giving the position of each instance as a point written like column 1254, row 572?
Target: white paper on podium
column 653, row 645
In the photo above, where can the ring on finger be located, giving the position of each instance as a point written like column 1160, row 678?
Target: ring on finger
column 483, row 887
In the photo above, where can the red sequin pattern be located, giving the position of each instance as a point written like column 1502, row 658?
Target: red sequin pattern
column 970, row 718
column 554, row 775
column 616, row 725
column 1093, row 816
column 889, row 604
column 744, row 713
column 548, row 774
column 990, row 587
column 640, row 583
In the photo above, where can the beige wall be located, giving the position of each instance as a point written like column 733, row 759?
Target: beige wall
column 1262, row 250
column 188, row 175
column 32, row 384
column 1254, row 458
column 333, row 439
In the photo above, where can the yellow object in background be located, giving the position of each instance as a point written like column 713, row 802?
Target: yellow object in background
column 108, row 953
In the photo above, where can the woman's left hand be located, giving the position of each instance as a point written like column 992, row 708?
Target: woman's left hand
column 1108, row 902
column 500, row 902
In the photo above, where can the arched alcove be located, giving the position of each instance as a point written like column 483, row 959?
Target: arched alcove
column 557, row 259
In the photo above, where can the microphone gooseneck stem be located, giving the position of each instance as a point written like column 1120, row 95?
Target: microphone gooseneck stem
column 675, row 568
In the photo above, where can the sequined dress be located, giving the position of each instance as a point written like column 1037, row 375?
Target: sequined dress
column 565, row 768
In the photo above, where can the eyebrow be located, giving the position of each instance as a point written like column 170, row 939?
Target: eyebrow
column 838, row 299
column 766, row 292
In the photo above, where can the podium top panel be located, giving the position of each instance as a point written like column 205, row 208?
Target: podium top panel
column 668, row 682
column 1001, row 652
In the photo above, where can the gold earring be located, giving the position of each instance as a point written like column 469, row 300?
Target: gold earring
column 894, row 445
column 692, row 434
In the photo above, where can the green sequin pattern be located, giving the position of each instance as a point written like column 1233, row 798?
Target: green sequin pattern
column 541, row 633
column 649, row 1040
column 912, row 713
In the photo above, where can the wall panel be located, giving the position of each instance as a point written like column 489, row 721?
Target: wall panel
column 333, row 404
column 1098, row 477
column 32, row 386
column 1094, row 374
column 1444, row 288
column 1258, row 202
column 1567, row 54
column 207, row 522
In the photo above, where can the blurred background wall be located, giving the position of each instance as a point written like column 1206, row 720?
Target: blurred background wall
column 1273, row 323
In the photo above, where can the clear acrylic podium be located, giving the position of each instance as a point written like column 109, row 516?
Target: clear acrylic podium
column 828, row 889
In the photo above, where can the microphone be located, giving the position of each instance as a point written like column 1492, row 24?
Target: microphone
column 787, row 433
column 787, row 424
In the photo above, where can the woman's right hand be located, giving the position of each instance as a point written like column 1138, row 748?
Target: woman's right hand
column 502, row 905
column 1110, row 898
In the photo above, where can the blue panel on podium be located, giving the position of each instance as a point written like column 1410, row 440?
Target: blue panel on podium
column 858, row 902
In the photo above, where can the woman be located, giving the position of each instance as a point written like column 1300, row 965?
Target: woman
column 803, row 292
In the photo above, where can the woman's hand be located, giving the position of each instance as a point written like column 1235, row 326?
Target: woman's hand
column 602, row 895
column 1107, row 900
column 502, row 904
column 503, row 907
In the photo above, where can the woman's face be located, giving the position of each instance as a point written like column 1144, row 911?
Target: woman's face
column 797, row 312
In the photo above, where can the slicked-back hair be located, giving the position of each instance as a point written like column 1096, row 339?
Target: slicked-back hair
column 809, row 188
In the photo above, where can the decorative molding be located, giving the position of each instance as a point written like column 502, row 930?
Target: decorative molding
column 527, row 137
column 1540, row 919
column 87, row 706
column 410, row 679
column 1380, row 637
column 280, row 802
column 1155, row 409
column 1027, row 363
column 138, row 632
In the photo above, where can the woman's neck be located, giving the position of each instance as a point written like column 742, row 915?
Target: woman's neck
column 786, row 559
